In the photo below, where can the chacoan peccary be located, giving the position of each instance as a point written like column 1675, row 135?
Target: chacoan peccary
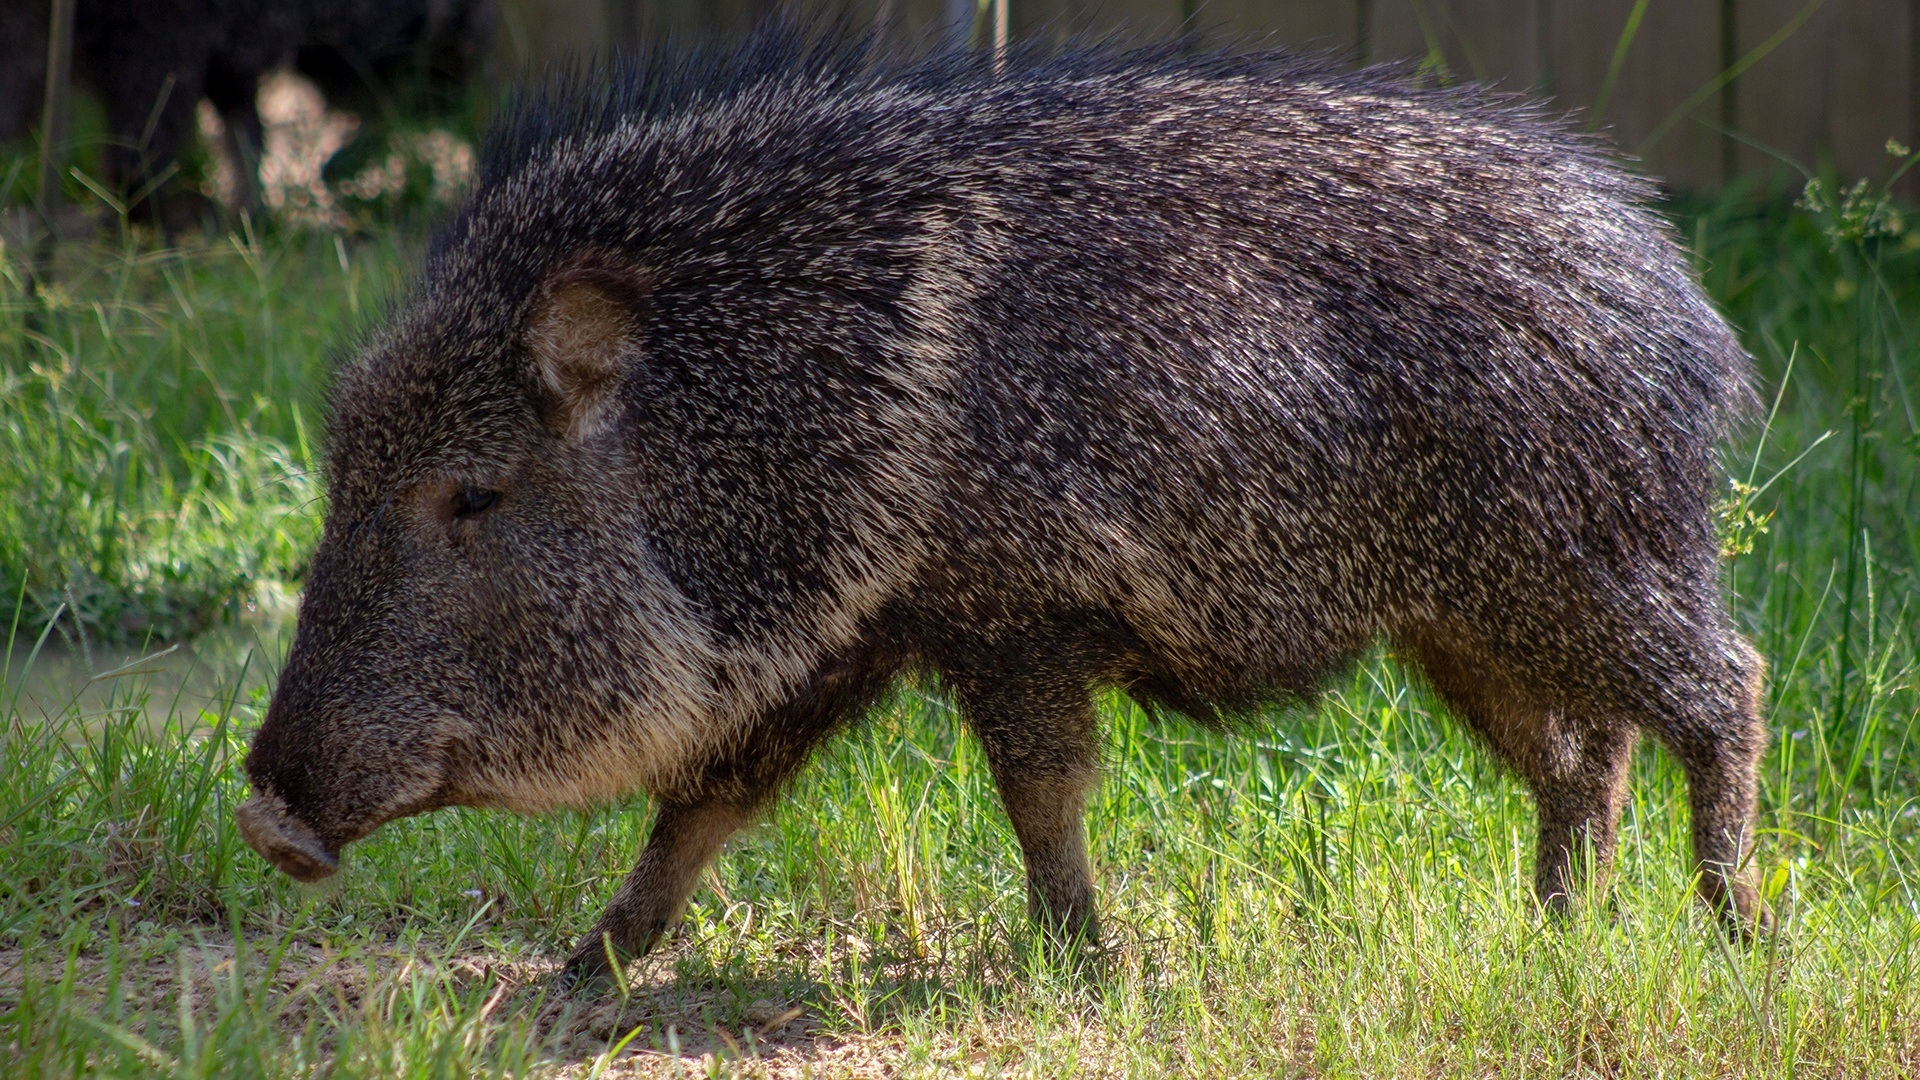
column 745, row 386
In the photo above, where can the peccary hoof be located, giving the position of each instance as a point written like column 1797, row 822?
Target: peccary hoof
column 1752, row 927
column 1744, row 916
column 582, row 979
column 590, row 969
column 1082, row 955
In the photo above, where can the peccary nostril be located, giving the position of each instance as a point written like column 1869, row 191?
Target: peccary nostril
column 284, row 840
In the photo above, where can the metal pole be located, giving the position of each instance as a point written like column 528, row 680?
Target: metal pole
column 999, row 35
column 53, row 137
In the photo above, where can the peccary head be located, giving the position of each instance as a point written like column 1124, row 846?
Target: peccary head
column 605, row 490
column 484, row 623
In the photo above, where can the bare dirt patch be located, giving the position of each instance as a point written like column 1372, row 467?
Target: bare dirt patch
column 660, row 1027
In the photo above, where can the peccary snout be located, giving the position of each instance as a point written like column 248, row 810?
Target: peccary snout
column 284, row 840
column 350, row 740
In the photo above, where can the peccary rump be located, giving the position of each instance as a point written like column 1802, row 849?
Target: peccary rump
column 743, row 386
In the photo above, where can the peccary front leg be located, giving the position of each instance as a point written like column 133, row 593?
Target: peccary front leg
column 1040, row 738
column 1048, row 813
column 685, row 839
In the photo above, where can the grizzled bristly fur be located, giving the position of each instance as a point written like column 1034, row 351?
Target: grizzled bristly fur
column 747, row 384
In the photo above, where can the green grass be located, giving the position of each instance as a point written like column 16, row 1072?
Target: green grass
column 1346, row 895
column 157, row 433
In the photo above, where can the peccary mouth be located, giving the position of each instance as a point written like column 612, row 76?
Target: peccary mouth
column 284, row 840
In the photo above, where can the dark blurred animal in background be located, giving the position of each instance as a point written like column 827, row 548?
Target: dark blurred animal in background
column 749, row 381
column 152, row 61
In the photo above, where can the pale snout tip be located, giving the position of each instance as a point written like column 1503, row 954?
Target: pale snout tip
column 284, row 840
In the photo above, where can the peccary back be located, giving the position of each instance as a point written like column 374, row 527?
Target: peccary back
column 731, row 396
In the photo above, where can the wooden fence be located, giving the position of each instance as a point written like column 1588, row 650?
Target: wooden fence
column 1821, row 83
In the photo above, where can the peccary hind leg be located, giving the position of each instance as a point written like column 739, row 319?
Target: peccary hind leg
column 1719, row 743
column 1041, row 743
column 1576, row 768
column 685, row 838
column 1580, row 786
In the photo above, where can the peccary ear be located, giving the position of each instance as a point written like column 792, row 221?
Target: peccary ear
column 583, row 330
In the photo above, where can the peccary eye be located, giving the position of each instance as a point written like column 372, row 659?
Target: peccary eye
column 471, row 501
